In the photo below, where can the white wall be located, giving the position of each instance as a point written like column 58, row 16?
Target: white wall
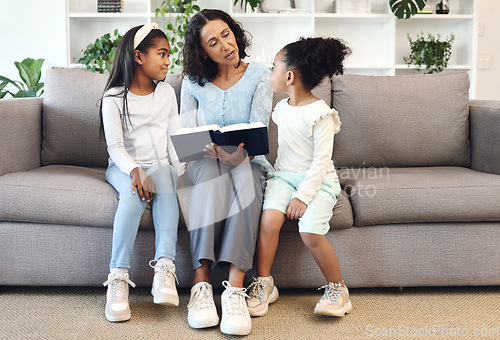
column 37, row 29
column 32, row 28
column 488, row 47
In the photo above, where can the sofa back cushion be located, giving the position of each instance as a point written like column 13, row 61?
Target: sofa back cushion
column 71, row 127
column 398, row 121
column 71, row 118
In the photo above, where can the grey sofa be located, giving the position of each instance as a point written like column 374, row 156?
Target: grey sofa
column 418, row 161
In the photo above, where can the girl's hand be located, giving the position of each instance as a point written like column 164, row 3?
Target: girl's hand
column 296, row 209
column 236, row 158
column 144, row 184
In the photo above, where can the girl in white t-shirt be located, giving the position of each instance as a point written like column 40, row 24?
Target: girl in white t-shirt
column 305, row 185
column 138, row 114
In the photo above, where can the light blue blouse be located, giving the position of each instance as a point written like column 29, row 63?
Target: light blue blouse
column 247, row 101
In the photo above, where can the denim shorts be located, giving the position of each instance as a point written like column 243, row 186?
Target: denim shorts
column 316, row 219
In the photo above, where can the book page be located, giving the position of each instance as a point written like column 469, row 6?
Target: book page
column 241, row 126
column 184, row 131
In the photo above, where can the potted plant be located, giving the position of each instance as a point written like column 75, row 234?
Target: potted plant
column 182, row 10
column 30, row 71
column 253, row 4
column 98, row 56
column 431, row 52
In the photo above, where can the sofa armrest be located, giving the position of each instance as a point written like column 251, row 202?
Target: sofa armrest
column 20, row 134
column 485, row 135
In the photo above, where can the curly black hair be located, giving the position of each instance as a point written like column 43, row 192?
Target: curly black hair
column 315, row 58
column 195, row 66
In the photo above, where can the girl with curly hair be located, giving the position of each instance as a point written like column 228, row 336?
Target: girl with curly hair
column 226, row 200
column 305, row 185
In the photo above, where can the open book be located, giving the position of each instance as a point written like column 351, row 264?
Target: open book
column 190, row 142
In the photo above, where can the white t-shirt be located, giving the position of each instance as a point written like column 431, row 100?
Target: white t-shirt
column 305, row 143
column 145, row 140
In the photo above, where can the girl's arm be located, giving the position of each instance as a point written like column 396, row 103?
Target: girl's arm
column 173, row 126
column 323, row 133
column 189, row 106
column 262, row 100
column 113, row 132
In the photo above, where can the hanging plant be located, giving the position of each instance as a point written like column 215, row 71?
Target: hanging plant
column 431, row 52
column 175, row 29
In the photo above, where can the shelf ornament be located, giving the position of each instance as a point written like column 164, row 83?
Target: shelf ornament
column 405, row 9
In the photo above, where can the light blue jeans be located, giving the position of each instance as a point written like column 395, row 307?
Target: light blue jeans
column 131, row 207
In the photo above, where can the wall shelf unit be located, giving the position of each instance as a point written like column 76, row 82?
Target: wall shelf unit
column 377, row 38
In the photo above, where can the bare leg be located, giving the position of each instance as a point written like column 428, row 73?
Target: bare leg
column 236, row 276
column 202, row 273
column 324, row 255
column 271, row 222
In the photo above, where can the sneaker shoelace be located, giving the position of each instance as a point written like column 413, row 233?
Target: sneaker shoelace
column 256, row 288
column 202, row 297
column 163, row 271
column 235, row 303
column 332, row 291
column 118, row 286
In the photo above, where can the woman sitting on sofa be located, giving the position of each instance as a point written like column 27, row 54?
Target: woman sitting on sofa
column 226, row 201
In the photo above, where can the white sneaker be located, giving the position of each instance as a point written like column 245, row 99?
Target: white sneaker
column 335, row 300
column 163, row 289
column 235, row 317
column 201, row 307
column 261, row 292
column 117, row 307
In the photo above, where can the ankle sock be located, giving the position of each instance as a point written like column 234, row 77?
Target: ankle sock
column 119, row 271
column 166, row 261
column 267, row 279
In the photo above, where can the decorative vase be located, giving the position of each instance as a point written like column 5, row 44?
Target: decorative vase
column 442, row 7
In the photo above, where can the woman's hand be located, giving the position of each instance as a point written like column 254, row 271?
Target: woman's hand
column 144, row 184
column 236, row 158
column 296, row 209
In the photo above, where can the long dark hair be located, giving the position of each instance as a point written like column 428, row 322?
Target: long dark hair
column 195, row 66
column 124, row 68
column 315, row 58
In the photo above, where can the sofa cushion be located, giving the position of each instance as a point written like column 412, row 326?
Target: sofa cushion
column 61, row 194
column 398, row 121
column 342, row 212
column 71, row 127
column 427, row 194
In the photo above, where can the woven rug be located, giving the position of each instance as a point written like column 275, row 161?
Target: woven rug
column 78, row 313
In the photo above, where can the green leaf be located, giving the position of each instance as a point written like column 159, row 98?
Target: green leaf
column 3, row 84
column 3, row 93
column 37, row 67
column 98, row 43
column 39, row 86
column 404, row 9
column 27, row 74
column 20, row 94
column 31, row 92
column 28, row 62
column 2, row 78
